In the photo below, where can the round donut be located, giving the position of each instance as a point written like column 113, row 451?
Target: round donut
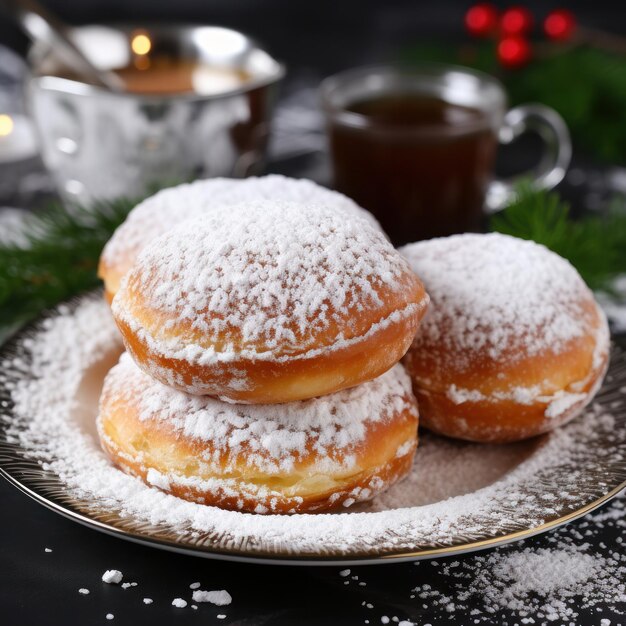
column 513, row 344
column 168, row 208
column 269, row 302
column 298, row 457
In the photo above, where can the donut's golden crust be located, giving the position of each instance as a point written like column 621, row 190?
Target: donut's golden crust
column 373, row 342
column 138, row 446
column 492, row 411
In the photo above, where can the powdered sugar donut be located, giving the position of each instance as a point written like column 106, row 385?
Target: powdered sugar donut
column 514, row 343
column 289, row 458
column 168, row 208
column 269, row 302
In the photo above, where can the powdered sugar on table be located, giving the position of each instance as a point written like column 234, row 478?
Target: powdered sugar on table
column 569, row 576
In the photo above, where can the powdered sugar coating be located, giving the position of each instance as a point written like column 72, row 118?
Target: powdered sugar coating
column 267, row 438
column 268, row 279
column 498, row 295
column 169, row 207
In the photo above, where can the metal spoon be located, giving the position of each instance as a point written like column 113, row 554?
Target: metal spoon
column 43, row 27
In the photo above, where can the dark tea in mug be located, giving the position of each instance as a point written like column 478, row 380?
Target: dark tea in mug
column 417, row 146
column 421, row 167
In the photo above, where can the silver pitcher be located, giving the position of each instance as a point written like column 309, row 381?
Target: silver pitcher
column 101, row 145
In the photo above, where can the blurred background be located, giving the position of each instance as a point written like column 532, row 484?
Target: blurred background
column 320, row 37
column 568, row 56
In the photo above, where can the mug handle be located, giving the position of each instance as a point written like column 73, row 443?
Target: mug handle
column 556, row 157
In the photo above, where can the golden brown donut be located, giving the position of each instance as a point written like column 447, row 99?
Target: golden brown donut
column 170, row 207
column 513, row 344
column 314, row 455
column 269, row 302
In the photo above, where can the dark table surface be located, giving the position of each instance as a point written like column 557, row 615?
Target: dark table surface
column 41, row 587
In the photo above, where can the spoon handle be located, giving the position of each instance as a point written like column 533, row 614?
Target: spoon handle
column 41, row 26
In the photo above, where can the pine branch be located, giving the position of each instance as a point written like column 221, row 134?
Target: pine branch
column 58, row 260
column 595, row 245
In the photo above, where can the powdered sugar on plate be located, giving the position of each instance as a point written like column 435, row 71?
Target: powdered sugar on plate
column 50, row 384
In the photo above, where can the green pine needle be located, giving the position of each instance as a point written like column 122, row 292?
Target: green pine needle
column 58, row 260
column 595, row 245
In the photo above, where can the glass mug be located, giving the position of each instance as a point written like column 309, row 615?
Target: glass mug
column 417, row 146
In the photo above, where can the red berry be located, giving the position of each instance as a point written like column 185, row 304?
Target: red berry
column 481, row 19
column 559, row 24
column 516, row 21
column 513, row 51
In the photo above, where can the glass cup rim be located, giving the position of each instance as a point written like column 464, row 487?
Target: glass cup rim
column 339, row 114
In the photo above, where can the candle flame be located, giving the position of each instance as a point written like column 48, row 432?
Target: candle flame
column 141, row 44
column 6, row 125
